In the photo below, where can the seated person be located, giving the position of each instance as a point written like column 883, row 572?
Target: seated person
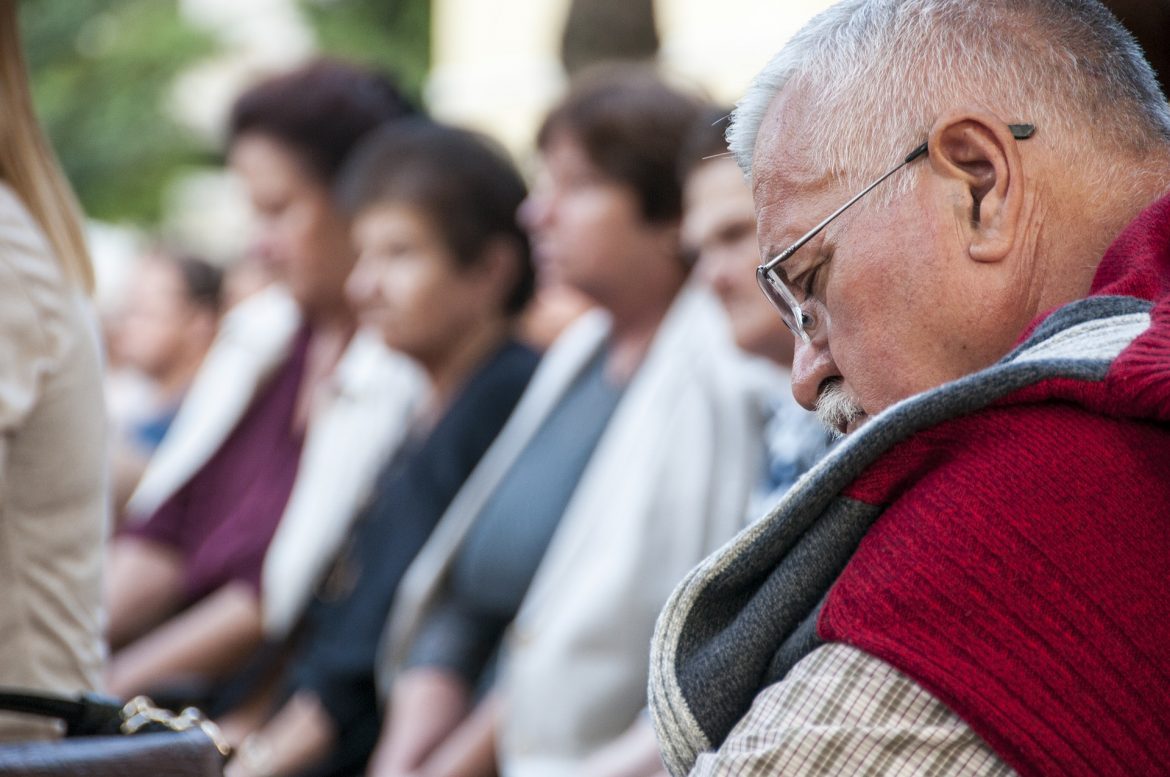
column 287, row 422
column 966, row 210
column 444, row 269
column 719, row 232
column 162, row 332
column 631, row 455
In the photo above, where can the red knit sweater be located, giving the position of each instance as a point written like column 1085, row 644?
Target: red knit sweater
column 1021, row 568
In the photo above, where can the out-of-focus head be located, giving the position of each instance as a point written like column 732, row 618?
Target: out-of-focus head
column 605, row 210
column 719, row 236
column 171, row 315
column 434, row 222
column 287, row 139
column 936, row 273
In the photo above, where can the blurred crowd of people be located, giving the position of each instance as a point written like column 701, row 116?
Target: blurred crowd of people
column 399, row 498
column 406, row 492
column 436, row 476
column 396, row 508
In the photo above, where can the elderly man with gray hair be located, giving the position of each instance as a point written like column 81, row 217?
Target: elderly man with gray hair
column 975, row 581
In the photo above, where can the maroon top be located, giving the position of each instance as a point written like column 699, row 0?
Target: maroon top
column 223, row 518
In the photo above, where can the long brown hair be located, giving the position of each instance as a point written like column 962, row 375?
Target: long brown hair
column 28, row 164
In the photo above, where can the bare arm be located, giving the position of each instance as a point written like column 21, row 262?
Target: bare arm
column 206, row 640
column 470, row 750
column 143, row 588
column 426, row 705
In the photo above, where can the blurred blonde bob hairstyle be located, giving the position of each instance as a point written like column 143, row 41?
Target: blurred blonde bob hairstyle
column 27, row 162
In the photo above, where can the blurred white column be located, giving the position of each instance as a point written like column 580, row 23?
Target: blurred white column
column 495, row 65
column 719, row 46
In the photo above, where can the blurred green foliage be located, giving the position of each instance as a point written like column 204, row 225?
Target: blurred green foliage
column 391, row 35
column 103, row 72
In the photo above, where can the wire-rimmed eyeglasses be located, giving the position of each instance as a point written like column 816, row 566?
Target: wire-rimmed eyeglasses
column 798, row 309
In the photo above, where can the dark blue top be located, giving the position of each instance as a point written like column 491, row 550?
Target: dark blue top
column 345, row 620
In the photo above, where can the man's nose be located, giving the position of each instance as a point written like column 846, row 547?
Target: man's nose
column 812, row 364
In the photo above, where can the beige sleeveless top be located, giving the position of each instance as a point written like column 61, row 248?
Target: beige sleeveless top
column 52, row 474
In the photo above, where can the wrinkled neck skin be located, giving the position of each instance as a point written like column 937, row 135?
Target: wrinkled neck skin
column 1073, row 232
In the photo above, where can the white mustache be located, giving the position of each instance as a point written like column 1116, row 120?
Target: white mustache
column 836, row 409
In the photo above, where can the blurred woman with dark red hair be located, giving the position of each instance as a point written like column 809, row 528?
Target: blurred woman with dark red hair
column 286, row 424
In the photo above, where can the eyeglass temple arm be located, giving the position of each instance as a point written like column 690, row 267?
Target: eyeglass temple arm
column 783, row 255
column 1019, row 132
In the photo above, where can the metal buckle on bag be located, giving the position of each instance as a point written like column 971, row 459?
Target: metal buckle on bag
column 140, row 713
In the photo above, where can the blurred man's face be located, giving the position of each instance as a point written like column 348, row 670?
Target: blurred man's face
column 150, row 331
column 719, row 230
column 157, row 331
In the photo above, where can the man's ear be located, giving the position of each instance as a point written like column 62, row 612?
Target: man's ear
column 978, row 151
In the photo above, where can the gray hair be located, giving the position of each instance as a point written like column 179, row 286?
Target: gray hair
column 884, row 70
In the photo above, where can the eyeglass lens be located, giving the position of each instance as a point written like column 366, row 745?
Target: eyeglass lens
column 802, row 317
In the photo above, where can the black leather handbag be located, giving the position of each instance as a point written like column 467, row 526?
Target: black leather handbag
column 104, row 738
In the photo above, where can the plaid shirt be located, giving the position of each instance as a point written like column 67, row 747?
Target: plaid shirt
column 843, row 712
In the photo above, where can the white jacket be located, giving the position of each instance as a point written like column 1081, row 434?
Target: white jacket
column 667, row 485
column 361, row 419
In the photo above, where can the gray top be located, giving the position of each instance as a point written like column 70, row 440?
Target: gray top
column 499, row 557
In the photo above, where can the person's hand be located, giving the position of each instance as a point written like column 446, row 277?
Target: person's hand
column 426, row 706
column 299, row 736
column 253, row 758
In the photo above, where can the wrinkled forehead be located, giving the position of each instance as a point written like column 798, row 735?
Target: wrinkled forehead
column 790, row 184
column 786, row 162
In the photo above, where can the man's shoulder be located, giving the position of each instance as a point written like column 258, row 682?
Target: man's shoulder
column 1026, row 539
column 1036, row 451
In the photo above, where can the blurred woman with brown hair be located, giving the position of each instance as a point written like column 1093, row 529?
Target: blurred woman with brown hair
column 284, row 428
column 628, row 460
column 52, row 429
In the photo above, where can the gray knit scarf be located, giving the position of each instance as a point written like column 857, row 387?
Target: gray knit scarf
column 743, row 618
